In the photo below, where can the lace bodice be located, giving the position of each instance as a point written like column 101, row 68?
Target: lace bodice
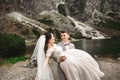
column 55, row 51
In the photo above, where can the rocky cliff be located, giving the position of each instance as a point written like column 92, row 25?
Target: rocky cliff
column 29, row 8
column 83, row 9
column 95, row 13
column 79, row 9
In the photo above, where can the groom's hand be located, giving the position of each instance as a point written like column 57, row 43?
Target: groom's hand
column 62, row 58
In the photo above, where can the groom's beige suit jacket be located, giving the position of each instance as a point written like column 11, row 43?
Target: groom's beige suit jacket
column 71, row 45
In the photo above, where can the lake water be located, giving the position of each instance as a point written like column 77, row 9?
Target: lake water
column 103, row 47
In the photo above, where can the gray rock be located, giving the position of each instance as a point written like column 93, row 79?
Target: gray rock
column 19, row 71
column 79, row 9
column 83, row 9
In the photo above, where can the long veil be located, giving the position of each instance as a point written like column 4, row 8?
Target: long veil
column 40, row 56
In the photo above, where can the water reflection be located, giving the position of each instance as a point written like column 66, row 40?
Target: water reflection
column 104, row 47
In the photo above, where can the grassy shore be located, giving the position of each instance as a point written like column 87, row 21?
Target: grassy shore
column 12, row 60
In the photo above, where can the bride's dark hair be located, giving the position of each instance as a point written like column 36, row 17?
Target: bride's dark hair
column 48, row 37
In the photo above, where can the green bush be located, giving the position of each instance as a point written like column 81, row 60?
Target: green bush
column 111, row 24
column 46, row 21
column 61, row 9
column 11, row 45
column 36, row 32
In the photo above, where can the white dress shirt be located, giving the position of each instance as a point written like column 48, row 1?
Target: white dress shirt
column 66, row 45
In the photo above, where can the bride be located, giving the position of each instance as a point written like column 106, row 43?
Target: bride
column 77, row 64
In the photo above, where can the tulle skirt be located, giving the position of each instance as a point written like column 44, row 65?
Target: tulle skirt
column 44, row 75
column 79, row 65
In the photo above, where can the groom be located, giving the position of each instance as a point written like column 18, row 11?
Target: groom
column 66, row 45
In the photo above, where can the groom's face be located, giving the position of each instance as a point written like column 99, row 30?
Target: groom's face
column 64, row 37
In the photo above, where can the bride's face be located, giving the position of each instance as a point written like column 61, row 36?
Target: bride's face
column 52, row 40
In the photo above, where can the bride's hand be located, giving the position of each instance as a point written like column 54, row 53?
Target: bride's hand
column 62, row 58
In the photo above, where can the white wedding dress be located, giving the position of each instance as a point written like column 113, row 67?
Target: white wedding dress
column 79, row 65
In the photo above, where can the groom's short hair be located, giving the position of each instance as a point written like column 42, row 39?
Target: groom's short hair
column 64, row 32
column 67, row 33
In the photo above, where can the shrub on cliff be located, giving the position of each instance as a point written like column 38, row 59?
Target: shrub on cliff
column 11, row 45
